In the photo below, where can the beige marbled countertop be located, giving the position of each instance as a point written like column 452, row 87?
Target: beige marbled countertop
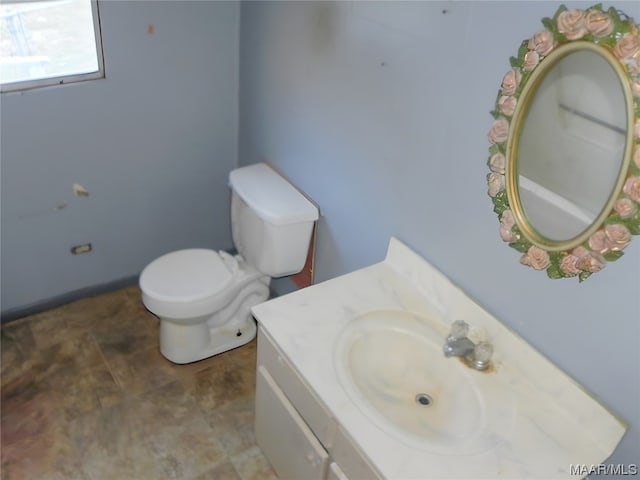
column 551, row 422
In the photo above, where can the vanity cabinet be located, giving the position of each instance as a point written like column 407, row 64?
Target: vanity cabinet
column 293, row 428
column 290, row 446
column 335, row 472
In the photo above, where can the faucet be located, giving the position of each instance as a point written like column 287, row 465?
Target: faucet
column 459, row 345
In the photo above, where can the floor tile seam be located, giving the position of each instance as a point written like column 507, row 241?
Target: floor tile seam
column 156, row 391
column 221, row 407
column 224, row 457
column 235, row 469
column 107, row 364
column 247, row 455
column 218, row 430
column 167, row 378
column 69, row 337
column 52, row 340
column 26, row 348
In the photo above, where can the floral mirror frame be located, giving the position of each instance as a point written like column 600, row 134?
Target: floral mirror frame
column 592, row 28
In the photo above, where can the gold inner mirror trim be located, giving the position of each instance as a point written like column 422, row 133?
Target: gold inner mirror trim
column 519, row 116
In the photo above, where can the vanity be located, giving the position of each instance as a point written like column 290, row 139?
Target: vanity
column 352, row 383
column 294, row 428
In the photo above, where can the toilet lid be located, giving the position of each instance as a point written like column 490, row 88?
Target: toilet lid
column 185, row 275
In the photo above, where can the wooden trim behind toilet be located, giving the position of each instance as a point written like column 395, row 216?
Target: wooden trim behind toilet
column 305, row 277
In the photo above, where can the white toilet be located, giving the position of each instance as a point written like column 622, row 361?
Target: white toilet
column 203, row 297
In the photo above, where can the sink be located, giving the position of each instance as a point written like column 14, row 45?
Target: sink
column 370, row 351
column 391, row 364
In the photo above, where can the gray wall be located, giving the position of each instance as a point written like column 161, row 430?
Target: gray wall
column 380, row 112
column 153, row 143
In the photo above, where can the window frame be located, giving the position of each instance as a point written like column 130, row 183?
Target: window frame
column 23, row 85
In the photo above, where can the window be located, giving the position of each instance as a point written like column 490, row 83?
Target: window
column 48, row 42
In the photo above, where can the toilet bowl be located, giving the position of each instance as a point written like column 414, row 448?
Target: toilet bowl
column 203, row 300
column 203, row 297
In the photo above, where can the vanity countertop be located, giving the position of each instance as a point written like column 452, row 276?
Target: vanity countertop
column 555, row 424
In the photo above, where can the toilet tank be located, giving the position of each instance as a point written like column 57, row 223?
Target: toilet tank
column 271, row 221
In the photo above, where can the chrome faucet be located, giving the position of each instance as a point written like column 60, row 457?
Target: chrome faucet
column 459, row 345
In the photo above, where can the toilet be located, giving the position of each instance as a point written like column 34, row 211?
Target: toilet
column 203, row 297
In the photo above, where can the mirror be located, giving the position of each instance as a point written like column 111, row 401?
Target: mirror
column 565, row 155
column 564, row 181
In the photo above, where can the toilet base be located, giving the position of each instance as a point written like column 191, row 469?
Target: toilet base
column 201, row 340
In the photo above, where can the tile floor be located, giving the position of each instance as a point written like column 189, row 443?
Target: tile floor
column 86, row 395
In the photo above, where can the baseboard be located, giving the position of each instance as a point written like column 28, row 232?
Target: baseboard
column 48, row 304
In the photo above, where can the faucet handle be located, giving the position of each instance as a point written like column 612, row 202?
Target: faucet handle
column 459, row 329
column 482, row 353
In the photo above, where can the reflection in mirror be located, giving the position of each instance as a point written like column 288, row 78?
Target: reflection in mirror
column 565, row 180
column 564, row 159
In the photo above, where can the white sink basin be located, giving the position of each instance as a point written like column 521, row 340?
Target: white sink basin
column 390, row 363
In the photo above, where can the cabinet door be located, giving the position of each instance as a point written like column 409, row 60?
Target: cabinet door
column 351, row 460
column 286, row 441
column 335, row 473
column 298, row 393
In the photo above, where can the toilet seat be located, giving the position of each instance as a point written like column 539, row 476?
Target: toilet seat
column 186, row 276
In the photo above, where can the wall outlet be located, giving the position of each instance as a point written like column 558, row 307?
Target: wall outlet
column 80, row 249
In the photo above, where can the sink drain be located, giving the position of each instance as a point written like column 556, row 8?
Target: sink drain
column 424, row 400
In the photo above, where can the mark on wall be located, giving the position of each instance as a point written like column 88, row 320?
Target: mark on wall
column 80, row 191
column 151, row 29
column 80, row 249
column 43, row 213
column 324, row 25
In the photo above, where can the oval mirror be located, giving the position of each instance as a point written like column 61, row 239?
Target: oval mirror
column 565, row 154
column 564, row 182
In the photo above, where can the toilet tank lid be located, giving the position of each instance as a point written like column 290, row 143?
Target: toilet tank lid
column 272, row 197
